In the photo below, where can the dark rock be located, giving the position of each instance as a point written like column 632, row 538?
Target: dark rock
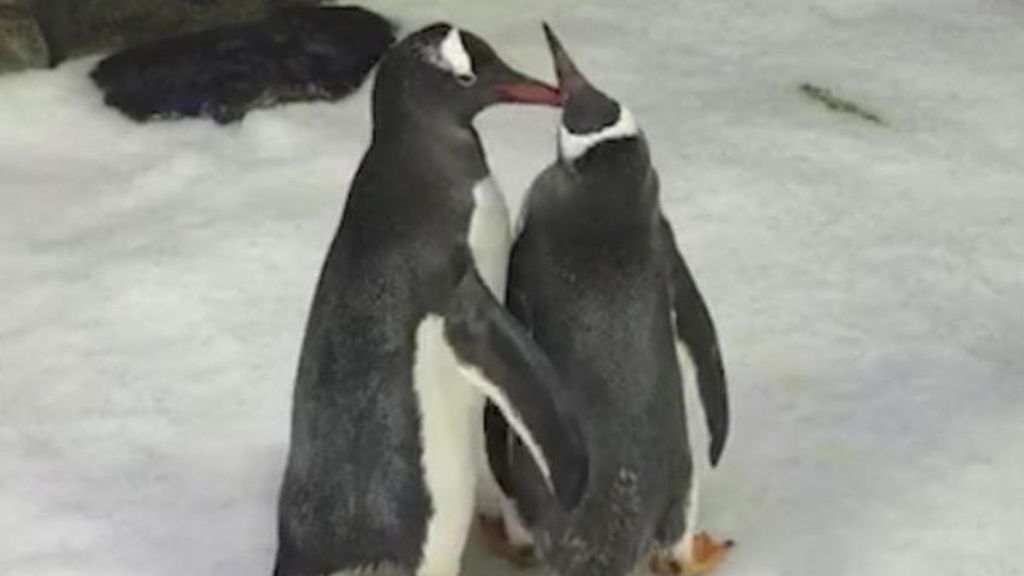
column 298, row 53
column 97, row 25
column 69, row 28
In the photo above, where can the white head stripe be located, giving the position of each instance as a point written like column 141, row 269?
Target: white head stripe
column 453, row 54
column 573, row 146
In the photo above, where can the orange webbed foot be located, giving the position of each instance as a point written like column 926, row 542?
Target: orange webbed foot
column 706, row 554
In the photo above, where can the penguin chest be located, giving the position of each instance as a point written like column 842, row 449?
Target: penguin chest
column 450, row 425
column 450, row 407
column 489, row 236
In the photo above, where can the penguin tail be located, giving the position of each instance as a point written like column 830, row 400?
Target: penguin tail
column 603, row 536
column 599, row 535
column 297, row 53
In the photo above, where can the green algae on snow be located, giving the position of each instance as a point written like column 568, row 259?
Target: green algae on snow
column 838, row 104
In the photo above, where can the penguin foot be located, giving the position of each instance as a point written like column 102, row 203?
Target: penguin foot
column 706, row 554
column 497, row 541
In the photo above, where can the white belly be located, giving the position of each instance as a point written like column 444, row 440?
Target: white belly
column 451, row 408
column 449, row 427
column 688, row 370
column 490, row 237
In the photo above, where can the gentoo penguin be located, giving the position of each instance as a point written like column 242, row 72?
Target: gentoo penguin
column 597, row 279
column 406, row 338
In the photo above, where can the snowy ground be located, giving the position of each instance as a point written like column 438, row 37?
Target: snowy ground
column 867, row 283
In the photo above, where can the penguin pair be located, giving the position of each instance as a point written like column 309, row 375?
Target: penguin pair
column 597, row 279
column 407, row 334
column 407, row 337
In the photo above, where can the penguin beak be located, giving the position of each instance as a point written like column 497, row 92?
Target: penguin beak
column 518, row 88
column 569, row 78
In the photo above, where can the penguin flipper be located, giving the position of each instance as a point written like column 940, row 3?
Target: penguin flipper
column 500, row 440
column 501, row 360
column 696, row 332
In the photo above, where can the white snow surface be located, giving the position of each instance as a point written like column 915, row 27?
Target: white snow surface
column 866, row 280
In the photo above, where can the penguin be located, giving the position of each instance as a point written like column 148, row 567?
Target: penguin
column 597, row 279
column 406, row 338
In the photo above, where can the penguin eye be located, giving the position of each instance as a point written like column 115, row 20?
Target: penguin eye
column 465, row 80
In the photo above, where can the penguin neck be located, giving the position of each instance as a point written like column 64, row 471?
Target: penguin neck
column 583, row 206
column 405, row 128
column 615, row 178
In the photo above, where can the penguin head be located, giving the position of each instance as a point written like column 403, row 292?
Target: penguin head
column 591, row 120
column 450, row 73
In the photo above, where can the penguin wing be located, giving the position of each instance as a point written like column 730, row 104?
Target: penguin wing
column 697, row 337
column 501, row 442
column 500, row 359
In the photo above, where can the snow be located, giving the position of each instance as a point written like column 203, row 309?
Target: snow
column 866, row 282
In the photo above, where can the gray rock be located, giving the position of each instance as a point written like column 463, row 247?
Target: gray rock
column 36, row 33
column 21, row 41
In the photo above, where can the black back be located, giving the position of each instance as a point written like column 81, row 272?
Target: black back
column 596, row 277
column 396, row 257
column 589, row 278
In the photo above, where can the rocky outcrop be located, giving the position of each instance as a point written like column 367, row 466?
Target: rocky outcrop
column 296, row 54
column 21, row 40
column 45, row 32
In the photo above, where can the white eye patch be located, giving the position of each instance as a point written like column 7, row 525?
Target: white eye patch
column 573, row 146
column 451, row 55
